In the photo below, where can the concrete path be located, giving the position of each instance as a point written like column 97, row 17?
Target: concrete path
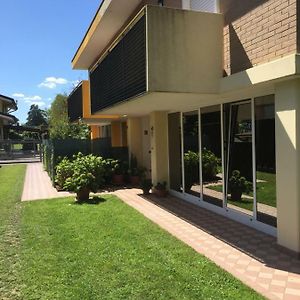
column 38, row 185
column 249, row 255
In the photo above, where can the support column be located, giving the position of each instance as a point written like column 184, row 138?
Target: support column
column 134, row 138
column 287, row 119
column 159, row 146
column 95, row 132
column 116, row 134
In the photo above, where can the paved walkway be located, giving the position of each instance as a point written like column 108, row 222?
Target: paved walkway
column 249, row 255
column 38, row 185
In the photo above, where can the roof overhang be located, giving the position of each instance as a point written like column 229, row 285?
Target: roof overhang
column 10, row 101
column 106, row 25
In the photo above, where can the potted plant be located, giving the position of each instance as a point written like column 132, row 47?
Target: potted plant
column 118, row 173
column 160, row 189
column 86, row 175
column 238, row 185
column 146, row 185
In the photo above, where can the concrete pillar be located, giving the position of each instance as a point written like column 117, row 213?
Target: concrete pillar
column 287, row 119
column 134, row 138
column 159, row 146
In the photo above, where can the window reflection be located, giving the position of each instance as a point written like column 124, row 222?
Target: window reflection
column 265, row 160
column 211, row 159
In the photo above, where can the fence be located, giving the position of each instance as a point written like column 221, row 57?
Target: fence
column 55, row 150
column 20, row 150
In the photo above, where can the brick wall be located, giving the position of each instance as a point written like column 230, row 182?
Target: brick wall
column 257, row 31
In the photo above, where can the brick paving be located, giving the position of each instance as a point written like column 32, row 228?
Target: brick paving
column 38, row 185
column 249, row 255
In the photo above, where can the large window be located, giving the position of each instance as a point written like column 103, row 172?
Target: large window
column 225, row 157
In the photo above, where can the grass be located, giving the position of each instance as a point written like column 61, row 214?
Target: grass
column 11, row 184
column 266, row 191
column 105, row 250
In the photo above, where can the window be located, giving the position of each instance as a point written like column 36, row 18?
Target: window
column 201, row 5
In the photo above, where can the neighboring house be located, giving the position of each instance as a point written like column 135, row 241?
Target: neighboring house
column 218, row 79
column 7, row 106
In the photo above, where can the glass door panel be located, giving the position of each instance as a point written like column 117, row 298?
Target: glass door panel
column 191, row 153
column 239, row 169
column 175, row 166
column 265, row 160
column 211, row 158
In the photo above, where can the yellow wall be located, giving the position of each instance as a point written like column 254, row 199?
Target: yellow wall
column 116, row 134
column 95, row 132
column 287, row 106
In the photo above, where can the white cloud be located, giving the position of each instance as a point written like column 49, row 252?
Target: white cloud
column 52, row 82
column 18, row 95
column 39, row 103
column 33, row 98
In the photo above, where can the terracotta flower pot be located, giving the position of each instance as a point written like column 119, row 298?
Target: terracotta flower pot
column 83, row 195
column 160, row 193
column 118, row 179
column 236, row 195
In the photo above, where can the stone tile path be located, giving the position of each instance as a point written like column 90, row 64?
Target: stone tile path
column 249, row 255
column 38, row 185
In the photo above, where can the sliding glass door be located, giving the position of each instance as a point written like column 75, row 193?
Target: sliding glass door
column 239, row 157
column 224, row 155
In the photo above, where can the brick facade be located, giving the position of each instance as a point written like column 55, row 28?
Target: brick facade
column 257, row 31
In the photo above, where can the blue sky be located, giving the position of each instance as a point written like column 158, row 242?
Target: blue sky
column 38, row 39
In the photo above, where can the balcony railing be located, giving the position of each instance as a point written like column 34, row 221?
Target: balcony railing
column 75, row 107
column 122, row 73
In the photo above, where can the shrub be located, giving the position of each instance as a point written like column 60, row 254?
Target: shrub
column 210, row 164
column 191, row 168
column 81, row 173
column 238, row 183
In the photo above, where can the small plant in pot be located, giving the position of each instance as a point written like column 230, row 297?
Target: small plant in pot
column 86, row 175
column 118, row 173
column 146, row 185
column 238, row 185
column 160, row 189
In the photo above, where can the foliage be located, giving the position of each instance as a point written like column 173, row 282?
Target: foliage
column 146, row 184
column 210, row 164
column 134, row 169
column 59, row 124
column 120, row 167
column 36, row 116
column 191, row 168
column 82, row 172
column 239, row 183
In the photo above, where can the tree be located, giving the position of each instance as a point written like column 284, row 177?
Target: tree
column 36, row 116
column 59, row 124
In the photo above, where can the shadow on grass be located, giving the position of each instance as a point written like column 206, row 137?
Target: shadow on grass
column 95, row 200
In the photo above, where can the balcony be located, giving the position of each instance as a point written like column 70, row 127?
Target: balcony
column 75, row 104
column 162, row 50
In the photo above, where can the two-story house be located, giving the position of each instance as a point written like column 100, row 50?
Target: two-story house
column 7, row 105
column 206, row 88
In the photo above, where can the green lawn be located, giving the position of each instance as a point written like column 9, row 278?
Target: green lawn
column 101, row 251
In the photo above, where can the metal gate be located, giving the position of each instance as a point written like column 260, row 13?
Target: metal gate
column 12, row 151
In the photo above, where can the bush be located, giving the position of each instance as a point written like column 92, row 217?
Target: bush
column 82, row 172
column 210, row 164
column 191, row 168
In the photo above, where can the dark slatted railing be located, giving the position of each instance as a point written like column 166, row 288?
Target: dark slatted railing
column 122, row 73
column 75, row 104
